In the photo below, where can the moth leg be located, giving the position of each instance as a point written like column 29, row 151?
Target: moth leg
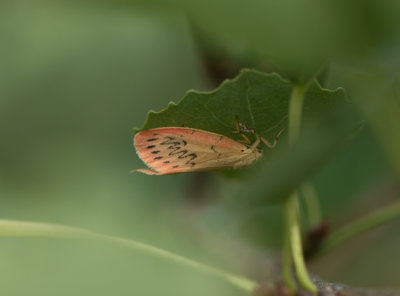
column 241, row 129
column 246, row 139
column 256, row 143
column 268, row 144
column 236, row 124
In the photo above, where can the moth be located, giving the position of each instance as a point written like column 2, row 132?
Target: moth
column 172, row 150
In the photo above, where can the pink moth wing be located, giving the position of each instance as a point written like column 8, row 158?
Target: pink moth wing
column 171, row 150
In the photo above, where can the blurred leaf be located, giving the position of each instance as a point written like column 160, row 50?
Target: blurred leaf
column 14, row 228
column 99, row 265
column 373, row 83
column 296, row 37
column 377, row 95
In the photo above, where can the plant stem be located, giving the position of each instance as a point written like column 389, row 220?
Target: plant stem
column 287, row 259
column 295, row 112
column 292, row 211
column 312, row 204
column 355, row 228
column 293, row 233
column 10, row 228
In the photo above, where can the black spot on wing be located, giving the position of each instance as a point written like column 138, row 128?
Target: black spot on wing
column 151, row 146
column 170, row 141
column 178, row 151
column 191, row 157
column 175, row 166
column 158, row 157
column 174, row 149
column 152, row 139
column 215, row 151
column 155, row 151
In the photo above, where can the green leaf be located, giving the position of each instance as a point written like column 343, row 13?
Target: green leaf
column 261, row 102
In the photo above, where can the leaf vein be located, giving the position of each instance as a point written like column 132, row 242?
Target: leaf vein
column 248, row 104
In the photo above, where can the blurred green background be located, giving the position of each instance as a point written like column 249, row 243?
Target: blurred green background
column 76, row 77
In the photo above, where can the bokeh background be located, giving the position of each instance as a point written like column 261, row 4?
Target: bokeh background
column 76, row 77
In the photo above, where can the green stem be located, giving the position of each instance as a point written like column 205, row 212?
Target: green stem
column 10, row 228
column 295, row 112
column 287, row 259
column 293, row 233
column 312, row 204
column 355, row 228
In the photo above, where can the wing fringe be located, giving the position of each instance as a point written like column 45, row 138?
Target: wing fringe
column 147, row 172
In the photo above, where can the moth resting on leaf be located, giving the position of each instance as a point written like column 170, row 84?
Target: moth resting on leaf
column 172, row 150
